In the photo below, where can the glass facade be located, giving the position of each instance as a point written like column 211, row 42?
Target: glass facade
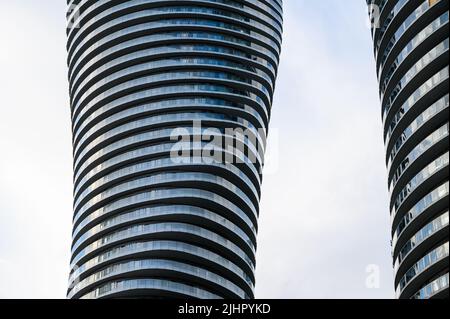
column 150, row 222
column 411, row 46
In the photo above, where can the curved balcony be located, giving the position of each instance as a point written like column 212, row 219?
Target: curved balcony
column 411, row 45
column 160, row 208
column 434, row 261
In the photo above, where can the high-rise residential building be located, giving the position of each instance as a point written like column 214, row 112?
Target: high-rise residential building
column 152, row 84
column 411, row 43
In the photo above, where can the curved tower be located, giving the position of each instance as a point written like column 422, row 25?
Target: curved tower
column 153, row 216
column 411, row 40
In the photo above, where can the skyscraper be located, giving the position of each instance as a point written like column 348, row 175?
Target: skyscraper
column 150, row 219
column 411, row 42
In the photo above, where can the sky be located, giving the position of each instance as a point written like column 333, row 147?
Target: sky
column 324, row 218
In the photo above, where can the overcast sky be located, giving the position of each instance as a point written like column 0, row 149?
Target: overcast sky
column 324, row 217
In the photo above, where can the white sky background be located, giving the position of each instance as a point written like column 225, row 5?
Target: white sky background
column 324, row 212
